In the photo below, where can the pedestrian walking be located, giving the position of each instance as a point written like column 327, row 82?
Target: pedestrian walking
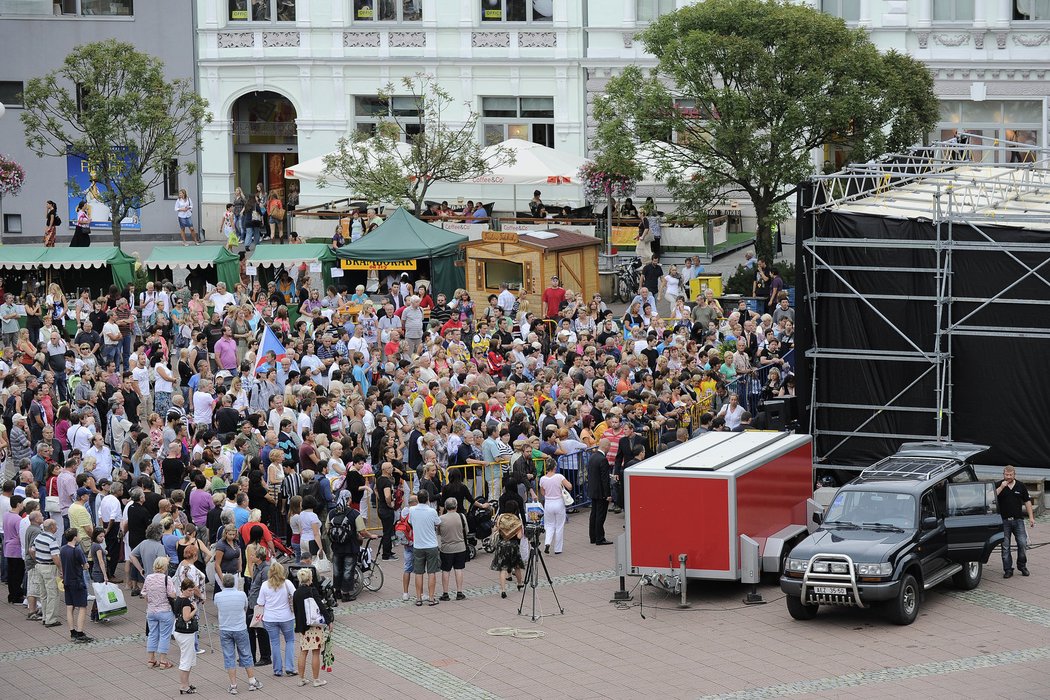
column 186, row 628
column 159, row 592
column 553, row 486
column 232, row 605
column 312, row 616
column 184, row 213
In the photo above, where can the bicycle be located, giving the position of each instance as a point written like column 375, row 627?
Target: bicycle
column 369, row 574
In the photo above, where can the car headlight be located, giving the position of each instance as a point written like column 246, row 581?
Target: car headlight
column 839, row 567
column 883, row 569
column 820, row 567
column 798, row 565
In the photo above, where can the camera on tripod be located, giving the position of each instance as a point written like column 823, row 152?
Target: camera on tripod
column 533, row 521
column 534, row 532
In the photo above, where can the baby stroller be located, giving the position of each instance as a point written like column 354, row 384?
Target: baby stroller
column 324, row 585
column 480, row 523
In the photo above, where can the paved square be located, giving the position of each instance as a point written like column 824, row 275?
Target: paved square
column 988, row 643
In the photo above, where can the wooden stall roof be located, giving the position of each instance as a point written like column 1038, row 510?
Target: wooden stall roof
column 551, row 240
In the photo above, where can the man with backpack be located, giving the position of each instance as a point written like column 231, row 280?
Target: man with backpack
column 346, row 530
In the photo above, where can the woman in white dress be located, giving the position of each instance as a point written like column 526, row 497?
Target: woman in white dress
column 644, row 247
column 672, row 284
column 552, row 485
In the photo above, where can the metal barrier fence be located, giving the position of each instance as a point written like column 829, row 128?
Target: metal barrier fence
column 749, row 389
column 574, row 468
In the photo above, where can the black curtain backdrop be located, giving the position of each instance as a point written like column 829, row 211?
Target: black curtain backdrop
column 999, row 383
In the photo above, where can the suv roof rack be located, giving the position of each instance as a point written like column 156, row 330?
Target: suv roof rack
column 911, row 468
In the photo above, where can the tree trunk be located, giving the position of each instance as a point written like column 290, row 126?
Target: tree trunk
column 763, row 233
column 116, row 230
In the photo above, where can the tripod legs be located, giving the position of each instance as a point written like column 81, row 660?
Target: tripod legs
column 532, row 575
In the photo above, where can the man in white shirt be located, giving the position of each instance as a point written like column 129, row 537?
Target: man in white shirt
column 221, row 298
column 506, row 299
column 140, row 374
column 279, row 412
column 162, row 388
column 79, row 435
column 111, row 339
column 103, row 459
column 148, row 304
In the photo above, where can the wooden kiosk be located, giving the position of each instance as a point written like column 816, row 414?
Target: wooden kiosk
column 526, row 260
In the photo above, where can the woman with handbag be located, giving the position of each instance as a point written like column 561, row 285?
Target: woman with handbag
column 158, row 591
column 555, row 489
column 275, row 598
column 51, row 223
column 82, row 232
column 311, row 618
column 275, row 211
column 186, row 627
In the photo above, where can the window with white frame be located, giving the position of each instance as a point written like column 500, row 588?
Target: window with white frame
column 1032, row 10
column 387, row 10
column 651, row 10
column 262, row 10
column 953, row 10
column 525, row 118
column 998, row 131
column 11, row 93
column 517, row 10
column 66, row 8
column 371, row 110
column 848, row 10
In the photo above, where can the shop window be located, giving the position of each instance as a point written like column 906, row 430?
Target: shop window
column 371, row 110
column 388, row 10
column 525, row 118
column 499, row 271
column 262, row 10
column 953, row 10
column 517, row 10
column 12, row 223
column 11, row 93
column 88, row 8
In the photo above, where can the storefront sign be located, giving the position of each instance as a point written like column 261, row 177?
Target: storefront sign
column 370, row 265
column 499, row 236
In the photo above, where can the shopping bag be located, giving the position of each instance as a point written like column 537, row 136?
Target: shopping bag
column 110, row 601
column 323, row 567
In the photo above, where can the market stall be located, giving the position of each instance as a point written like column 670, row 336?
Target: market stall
column 72, row 268
column 266, row 259
column 205, row 263
column 526, row 260
column 413, row 245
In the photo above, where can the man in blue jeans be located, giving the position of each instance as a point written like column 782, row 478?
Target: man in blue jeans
column 1012, row 496
column 233, row 633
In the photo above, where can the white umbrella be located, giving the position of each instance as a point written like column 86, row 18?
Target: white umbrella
column 534, row 164
column 311, row 170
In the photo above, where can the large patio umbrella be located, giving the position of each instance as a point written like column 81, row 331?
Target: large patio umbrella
column 311, row 170
column 534, row 164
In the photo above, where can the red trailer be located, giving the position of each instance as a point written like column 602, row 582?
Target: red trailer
column 713, row 499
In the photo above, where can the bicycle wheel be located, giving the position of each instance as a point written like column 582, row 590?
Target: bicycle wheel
column 373, row 578
column 359, row 584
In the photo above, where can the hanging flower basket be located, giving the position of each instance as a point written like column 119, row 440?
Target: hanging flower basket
column 599, row 185
column 12, row 176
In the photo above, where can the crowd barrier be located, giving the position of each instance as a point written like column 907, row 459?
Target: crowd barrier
column 574, row 468
column 749, row 389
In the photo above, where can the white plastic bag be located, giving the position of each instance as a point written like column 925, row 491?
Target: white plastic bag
column 110, row 600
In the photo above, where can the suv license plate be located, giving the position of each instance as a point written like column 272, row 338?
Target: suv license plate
column 829, row 590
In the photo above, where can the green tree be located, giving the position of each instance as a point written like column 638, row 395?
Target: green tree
column 749, row 88
column 113, row 106
column 412, row 148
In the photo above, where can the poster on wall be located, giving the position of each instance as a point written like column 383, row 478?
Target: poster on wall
column 83, row 187
column 624, row 236
column 275, row 174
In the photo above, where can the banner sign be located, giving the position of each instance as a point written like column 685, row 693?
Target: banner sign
column 83, row 187
column 499, row 236
column 370, row 265
column 624, row 236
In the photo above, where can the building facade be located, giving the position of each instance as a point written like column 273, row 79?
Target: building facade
column 36, row 37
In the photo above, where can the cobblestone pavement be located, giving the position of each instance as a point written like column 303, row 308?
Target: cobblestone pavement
column 988, row 643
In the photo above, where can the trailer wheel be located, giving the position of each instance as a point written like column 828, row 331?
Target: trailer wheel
column 799, row 610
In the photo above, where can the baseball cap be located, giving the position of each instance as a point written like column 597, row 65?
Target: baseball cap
column 82, row 491
column 17, row 417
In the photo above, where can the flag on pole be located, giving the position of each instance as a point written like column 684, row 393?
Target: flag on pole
column 269, row 342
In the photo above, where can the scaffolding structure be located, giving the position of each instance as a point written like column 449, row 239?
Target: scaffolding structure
column 952, row 186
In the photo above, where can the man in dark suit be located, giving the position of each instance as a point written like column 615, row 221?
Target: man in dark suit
column 601, row 494
column 629, row 443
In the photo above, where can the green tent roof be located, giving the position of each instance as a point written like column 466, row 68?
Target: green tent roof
column 291, row 254
column 20, row 256
column 403, row 237
column 188, row 257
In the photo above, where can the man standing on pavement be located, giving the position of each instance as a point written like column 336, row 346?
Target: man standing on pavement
column 73, row 565
column 426, row 559
column 233, row 633
column 552, row 298
column 1012, row 495
column 33, row 521
column 598, row 480
column 48, row 565
column 109, row 515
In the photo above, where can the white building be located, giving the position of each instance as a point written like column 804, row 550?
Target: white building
column 287, row 78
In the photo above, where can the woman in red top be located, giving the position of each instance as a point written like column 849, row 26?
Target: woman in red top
column 425, row 302
column 495, row 358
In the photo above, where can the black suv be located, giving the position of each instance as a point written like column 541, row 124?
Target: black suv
column 906, row 524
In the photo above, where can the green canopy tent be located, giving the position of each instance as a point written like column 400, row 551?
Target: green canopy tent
column 205, row 257
column 121, row 266
column 291, row 255
column 404, row 237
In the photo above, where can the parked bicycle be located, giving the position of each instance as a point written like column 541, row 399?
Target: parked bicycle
column 368, row 575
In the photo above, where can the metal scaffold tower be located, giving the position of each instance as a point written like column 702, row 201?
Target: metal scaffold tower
column 911, row 218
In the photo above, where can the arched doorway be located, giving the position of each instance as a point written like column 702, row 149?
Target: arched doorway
column 265, row 142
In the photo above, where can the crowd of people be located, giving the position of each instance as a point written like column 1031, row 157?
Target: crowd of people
column 152, row 437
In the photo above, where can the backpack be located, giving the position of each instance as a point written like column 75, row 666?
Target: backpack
column 403, row 532
column 342, row 526
column 311, row 488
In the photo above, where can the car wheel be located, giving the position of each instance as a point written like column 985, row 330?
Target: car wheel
column 905, row 608
column 799, row 610
column 970, row 576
